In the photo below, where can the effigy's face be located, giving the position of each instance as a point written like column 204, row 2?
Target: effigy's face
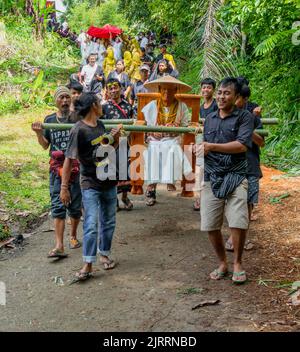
column 168, row 95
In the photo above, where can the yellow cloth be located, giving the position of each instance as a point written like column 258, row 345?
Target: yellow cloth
column 134, row 71
column 167, row 119
column 109, row 62
column 127, row 60
column 170, row 58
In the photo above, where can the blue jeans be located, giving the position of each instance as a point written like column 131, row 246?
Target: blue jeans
column 99, row 222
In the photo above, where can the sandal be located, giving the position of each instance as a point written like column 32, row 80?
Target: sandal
column 239, row 277
column 81, row 276
column 57, row 253
column 150, row 198
column 74, row 243
column 229, row 246
column 171, row 187
column 107, row 265
column 247, row 246
column 217, row 274
column 196, row 205
column 127, row 203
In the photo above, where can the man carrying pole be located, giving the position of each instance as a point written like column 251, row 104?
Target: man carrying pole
column 227, row 135
column 58, row 142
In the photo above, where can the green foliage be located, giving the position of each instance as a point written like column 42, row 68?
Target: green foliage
column 265, row 54
column 268, row 45
column 30, row 70
column 84, row 14
column 23, row 166
column 4, row 232
column 12, row 7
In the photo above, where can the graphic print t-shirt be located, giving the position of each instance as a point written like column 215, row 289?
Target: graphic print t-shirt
column 58, row 139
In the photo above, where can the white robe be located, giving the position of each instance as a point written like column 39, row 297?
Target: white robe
column 165, row 161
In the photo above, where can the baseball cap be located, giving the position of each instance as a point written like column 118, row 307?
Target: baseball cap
column 145, row 67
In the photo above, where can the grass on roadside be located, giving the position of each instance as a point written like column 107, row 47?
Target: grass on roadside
column 24, row 191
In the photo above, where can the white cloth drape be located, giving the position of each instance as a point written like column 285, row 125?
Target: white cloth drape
column 165, row 161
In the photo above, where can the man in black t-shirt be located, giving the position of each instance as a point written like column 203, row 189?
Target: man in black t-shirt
column 253, row 160
column 118, row 108
column 208, row 87
column 227, row 136
column 58, row 140
column 98, row 182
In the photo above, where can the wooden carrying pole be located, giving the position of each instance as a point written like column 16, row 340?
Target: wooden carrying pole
column 193, row 102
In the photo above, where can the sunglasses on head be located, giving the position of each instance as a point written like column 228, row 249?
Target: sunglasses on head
column 112, row 85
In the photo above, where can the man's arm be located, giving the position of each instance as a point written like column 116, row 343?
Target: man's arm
column 234, row 147
column 70, row 154
column 259, row 140
column 65, row 196
column 256, row 138
column 37, row 128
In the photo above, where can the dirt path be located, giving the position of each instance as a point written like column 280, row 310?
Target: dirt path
column 163, row 269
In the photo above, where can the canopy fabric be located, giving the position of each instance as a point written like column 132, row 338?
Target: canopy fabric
column 104, row 32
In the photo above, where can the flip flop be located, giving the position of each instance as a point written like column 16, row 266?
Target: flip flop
column 171, row 188
column 74, row 243
column 108, row 265
column 248, row 245
column 217, row 274
column 239, row 277
column 229, row 246
column 150, row 198
column 196, row 205
column 57, row 253
column 81, row 276
column 127, row 204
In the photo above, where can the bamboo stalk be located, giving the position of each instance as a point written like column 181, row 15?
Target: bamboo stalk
column 142, row 129
column 118, row 122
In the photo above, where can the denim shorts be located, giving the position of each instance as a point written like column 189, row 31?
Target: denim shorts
column 58, row 210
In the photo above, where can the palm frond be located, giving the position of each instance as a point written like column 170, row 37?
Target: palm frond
column 271, row 42
column 212, row 39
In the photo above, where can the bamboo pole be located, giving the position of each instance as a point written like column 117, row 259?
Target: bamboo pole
column 118, row 122
column 143, row 129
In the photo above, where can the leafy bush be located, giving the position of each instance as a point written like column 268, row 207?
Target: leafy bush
column 31, row 69
column 83, row 14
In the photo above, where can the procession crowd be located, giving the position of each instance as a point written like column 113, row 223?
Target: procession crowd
column 112, row 73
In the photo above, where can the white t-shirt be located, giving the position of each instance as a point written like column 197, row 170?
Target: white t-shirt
column 88, row 72
column 101, row 51
column 94, row 48
column 144, row 42
column 81, row 38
